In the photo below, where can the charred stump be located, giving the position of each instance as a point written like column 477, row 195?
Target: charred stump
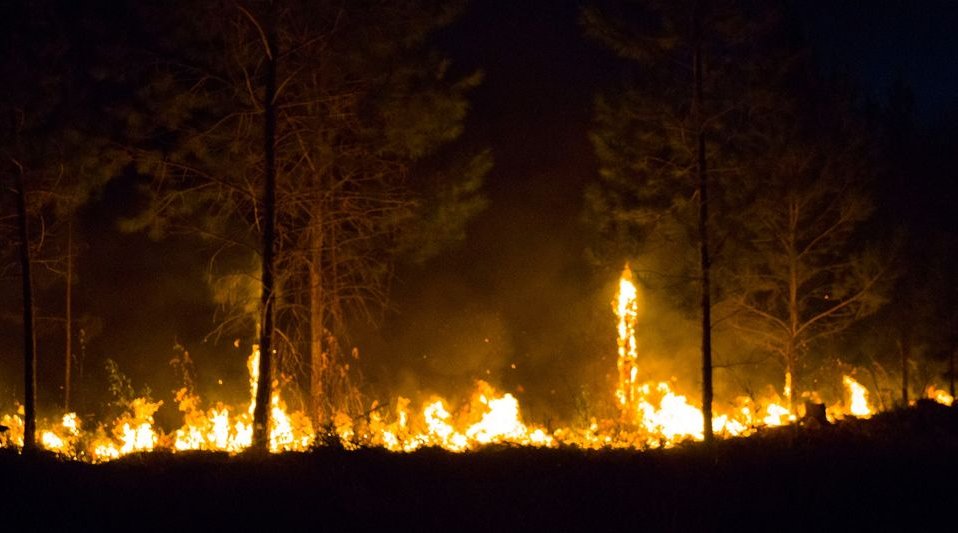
column 815, row 416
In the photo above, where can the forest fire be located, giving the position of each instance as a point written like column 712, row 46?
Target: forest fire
column 569, row 265
column 651, row 415
column 938, row 395
column 858, row 397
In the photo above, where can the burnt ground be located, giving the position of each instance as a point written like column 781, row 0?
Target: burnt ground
column 894, row 472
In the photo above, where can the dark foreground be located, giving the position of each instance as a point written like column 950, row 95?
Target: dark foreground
column 895, row 472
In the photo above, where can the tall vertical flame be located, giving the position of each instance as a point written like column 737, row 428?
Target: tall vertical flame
column 858, row 397
column 626, row 310
column 651, row 414
column 215, row 430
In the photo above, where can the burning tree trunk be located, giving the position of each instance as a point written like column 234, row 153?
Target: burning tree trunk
column 261, row 412
column 701, row 171
column 29, row 337
column 625, row 310
column 654, row 141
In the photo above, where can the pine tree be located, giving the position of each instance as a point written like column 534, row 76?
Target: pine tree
column 665, row 141
column 803, row 273
column 360, row 103
column 53, row 151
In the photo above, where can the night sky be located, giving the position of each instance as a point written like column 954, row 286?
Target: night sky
column 516, row 291
column 880, row 42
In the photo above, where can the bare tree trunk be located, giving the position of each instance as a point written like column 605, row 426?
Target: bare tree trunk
column 261, row 411
column 705, row 262
column 29, row 337
column 794, row 320
column 951, row 374
column 81, row 359
column 790, row 376
column 68, row 319
column 904, row 346
column 317, row 357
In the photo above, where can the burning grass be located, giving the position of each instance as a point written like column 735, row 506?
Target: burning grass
column 651, row 414
column 662, row 418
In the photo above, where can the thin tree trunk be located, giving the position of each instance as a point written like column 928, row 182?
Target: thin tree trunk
column 791, row 356
column 951, row 374
column 790, row 376
column 317, row 359
column 791, row 353
column 29, row 337
column 705, row 262
column 904, row 346
column 261, row 411
column 68, row 320
column 78, row 371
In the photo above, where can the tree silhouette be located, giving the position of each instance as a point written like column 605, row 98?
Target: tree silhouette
column 666, row 141
column 54, row 154
column 359, row 105
column 803, row 274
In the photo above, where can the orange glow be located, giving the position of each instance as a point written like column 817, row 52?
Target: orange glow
column 650, row 414
column 857, row 398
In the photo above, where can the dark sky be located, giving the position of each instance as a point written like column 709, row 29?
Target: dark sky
column 884, row 40
column 515, row 292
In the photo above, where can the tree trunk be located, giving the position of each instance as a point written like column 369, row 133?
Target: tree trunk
column 29, row 337
column 951, row 373
column 68, row 319
column 264, row 383
column 790, row 376
column 317, row 358
column 705, row 262
column 78, row 370
column 794, row 320
column 904, row 346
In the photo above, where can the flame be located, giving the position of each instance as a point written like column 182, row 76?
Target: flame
column 14, row 434
column 219, row 428
column 672, row 419
column 215, row 429
column 499, row 422
column 858, row 398
column 137, row 434
column 626, row 307
column 209, row 430
column 939, row 395
column 51, row 441
column 787, row 389
column 132, row 432
column 63, row 438
column 663, row 416
column 71, row 423
column 650, row 414
column 777, row 415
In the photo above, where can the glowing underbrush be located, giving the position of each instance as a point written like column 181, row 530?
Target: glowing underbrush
column 651, row 414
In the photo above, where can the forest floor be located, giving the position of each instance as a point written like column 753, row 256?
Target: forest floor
column 894, row 472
